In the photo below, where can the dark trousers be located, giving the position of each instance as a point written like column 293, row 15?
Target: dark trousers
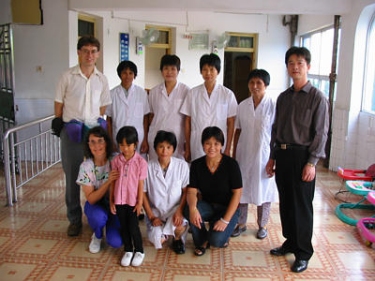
column 130, row 232
column 71, row 158
column 295, row 196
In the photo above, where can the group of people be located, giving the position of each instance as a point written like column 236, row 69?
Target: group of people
column 188, row 158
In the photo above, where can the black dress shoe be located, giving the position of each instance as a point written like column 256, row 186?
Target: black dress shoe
column 299, row 265
column 280, row 251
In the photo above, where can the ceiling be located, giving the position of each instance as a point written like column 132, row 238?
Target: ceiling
column 321, row 7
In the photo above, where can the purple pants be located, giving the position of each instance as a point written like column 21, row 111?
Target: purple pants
column 99, row 217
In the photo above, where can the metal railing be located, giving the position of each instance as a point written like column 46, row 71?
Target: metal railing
column 29, row 150
column 5, row 124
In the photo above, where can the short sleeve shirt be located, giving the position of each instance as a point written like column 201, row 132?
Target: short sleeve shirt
column 131, row 172
column 82, row 97
column 217, row 187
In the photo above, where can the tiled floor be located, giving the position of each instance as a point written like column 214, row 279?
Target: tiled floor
column 34, row 244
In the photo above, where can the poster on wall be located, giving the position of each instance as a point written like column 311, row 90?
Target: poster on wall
column 124, row 46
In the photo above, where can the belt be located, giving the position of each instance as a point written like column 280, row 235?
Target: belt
column 287, row 146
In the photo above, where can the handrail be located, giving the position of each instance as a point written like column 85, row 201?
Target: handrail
column 9, row 153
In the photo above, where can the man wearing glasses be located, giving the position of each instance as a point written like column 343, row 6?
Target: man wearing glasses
column 82, row 95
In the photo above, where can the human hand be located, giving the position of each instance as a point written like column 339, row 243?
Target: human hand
column 270, row 168
column 187, row 155
column 112, row 208
column 308, row 173
column 178, row 218
column 195, row 218
column 155, row 221
column 227, row 151
column 220, row 225
column 113, row 175
column 137, row 209
column 144, row 147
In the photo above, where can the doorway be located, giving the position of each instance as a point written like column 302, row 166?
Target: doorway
column 239, row 59
column 237, row 66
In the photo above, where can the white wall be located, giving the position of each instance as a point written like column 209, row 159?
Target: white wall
column 273, row 41
column 353, row 131
column 43, row 52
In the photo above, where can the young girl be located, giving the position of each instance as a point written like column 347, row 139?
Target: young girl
column 126, row 194
column 95, row 177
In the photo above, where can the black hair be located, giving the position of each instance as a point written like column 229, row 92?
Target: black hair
column 86, row 40
column 99, row 132
column 172, row 60
column 261, row 74
column 164, row 136
column 214, row 132
column 127, row 64
column 300, row 52
column 129, row 133
column 211, row 60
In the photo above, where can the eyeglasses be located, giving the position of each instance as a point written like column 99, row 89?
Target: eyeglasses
column 88, row 52
column 99, row 141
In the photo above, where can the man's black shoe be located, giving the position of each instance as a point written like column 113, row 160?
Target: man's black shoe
column 299, row 265
column 74, row 229
column 280, row 251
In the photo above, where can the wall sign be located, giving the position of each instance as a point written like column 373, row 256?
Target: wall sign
column 124, row 46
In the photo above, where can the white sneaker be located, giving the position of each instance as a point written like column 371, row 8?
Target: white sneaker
column 95, row 244
column 138, row 259
column 126, row 259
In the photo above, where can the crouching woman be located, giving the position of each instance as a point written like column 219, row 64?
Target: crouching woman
column 213, row 194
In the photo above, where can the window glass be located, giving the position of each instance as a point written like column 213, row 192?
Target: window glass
column 320, row 44
column 368, row 101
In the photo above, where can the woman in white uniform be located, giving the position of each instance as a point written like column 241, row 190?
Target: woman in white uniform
column 165, row 102
column 165, row 194
column 129, row 106
column 251, row 149
column 209, row 104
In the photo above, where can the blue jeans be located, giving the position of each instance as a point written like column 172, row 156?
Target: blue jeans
column 211, row 213
column 99, row 217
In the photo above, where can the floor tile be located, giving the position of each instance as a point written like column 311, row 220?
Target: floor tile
column 34, row 244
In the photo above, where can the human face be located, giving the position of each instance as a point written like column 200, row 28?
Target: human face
column 257, row 87
column 209, row 73
column 127, row 77
column 164, row 151
column 212, row 148
column 88, row 55
column 169, row 73
column 128, row 150
column 97, row 146
column 298, row 68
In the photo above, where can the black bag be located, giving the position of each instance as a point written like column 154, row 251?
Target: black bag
column 56, row 126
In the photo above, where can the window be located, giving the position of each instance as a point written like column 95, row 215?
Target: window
column 368, row 102
column 86, row 25
column 154, row 50
column 320, row 44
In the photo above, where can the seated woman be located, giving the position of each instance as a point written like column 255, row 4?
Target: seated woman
column 213, row 194
column 165, row 194
column 95, row 177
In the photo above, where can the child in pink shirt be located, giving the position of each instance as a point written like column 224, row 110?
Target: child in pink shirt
column 126, row 194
